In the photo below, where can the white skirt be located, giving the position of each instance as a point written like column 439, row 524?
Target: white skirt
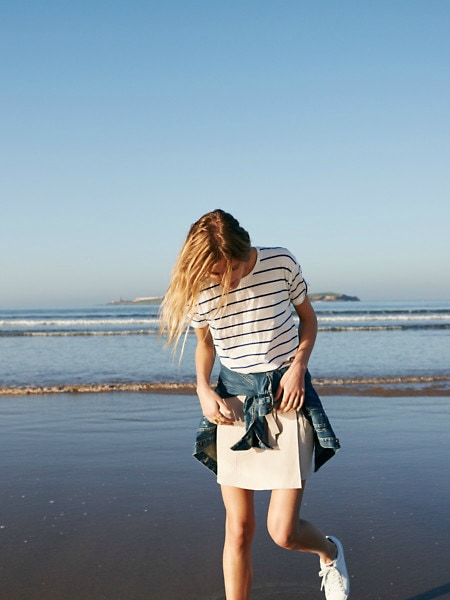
column 284, row 466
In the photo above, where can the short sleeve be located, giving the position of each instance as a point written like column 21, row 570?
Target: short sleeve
column 197, row 322
column 298, row 286
column 197, row 319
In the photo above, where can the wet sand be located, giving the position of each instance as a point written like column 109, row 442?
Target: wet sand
column 100, row 499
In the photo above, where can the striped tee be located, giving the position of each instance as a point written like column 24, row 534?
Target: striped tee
column 256, row 330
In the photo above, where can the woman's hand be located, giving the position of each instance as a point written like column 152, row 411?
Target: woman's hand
column 213, row 407
column 291, row 390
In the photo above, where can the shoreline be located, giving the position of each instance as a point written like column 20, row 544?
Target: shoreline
column 388, row 387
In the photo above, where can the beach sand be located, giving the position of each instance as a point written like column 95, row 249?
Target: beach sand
column 101, row 499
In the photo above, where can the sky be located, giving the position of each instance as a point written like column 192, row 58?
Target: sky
column 322, row 126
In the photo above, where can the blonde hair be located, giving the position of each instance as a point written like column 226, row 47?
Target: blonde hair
column 214, row 237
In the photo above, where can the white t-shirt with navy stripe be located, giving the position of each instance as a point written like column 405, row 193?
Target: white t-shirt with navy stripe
column 256, row 331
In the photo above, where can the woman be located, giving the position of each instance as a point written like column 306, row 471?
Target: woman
column 263, row 422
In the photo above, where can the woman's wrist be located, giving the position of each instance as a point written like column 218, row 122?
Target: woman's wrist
column 202, row 386
column 299, row 361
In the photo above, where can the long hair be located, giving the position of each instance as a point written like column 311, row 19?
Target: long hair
column 214, row 237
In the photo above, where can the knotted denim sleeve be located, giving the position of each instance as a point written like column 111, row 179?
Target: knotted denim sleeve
column 259, row 390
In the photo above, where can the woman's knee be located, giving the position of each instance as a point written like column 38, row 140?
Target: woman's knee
column 240, row 517
column 283, row 518
column 285, row 537
column 284, row 532
column 239, row 534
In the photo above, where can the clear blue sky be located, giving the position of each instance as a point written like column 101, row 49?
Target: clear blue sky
column 322, row 126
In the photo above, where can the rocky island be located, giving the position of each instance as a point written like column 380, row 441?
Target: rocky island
column 332, row 297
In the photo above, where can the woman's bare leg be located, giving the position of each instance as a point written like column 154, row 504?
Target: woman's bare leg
column 290, row 532
column 239, row 531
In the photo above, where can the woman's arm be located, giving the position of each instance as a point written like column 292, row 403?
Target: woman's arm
column 212, row 404
column 292, row 385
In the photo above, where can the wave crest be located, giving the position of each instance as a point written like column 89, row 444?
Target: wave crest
column 361, row 386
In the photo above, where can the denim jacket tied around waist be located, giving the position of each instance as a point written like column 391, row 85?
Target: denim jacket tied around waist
column 259, row 390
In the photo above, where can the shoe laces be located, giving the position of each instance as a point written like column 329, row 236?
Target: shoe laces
column 330, row 576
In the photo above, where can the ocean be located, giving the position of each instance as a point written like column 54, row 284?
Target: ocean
column 374, row 348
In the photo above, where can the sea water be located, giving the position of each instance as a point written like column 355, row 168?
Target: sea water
column 394, row 343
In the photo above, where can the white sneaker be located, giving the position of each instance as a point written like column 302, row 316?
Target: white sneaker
column 334, row 575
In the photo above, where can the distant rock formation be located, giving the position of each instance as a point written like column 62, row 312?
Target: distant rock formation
column 320, row 297
column 332, row 297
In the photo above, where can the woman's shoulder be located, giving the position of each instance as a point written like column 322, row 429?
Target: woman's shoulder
column 278, row 253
